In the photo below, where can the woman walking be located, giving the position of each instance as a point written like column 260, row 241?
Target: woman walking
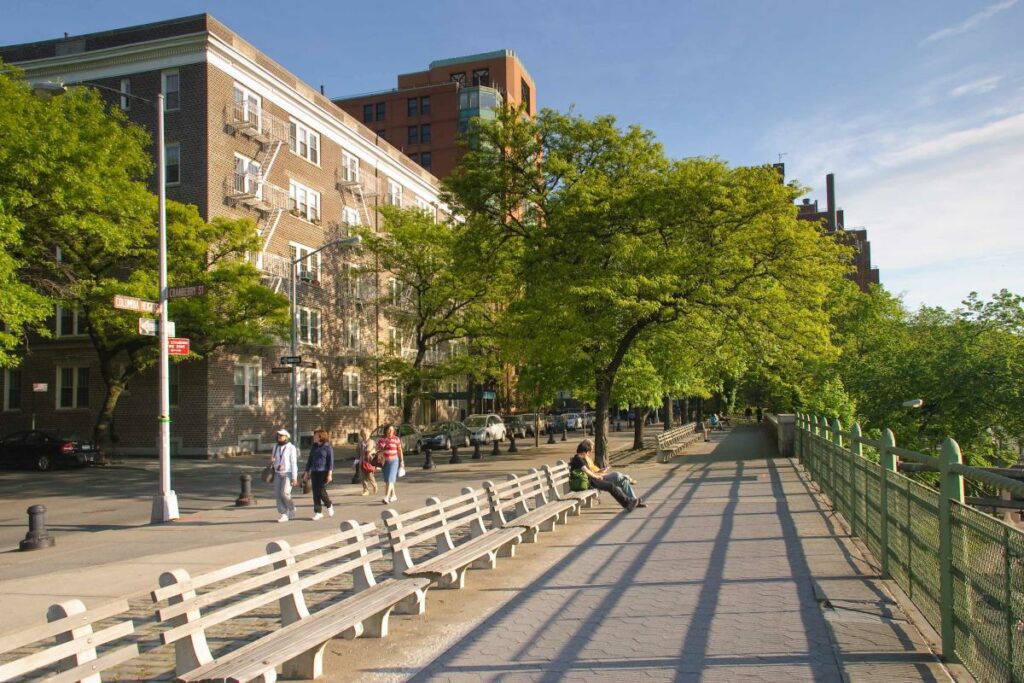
column 286, row 472
column 320, row 468
column 390, row 446
column 367, row 463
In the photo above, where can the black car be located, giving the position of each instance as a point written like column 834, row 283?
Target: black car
column 44, row 450
column 441, row 435
column 515, row 426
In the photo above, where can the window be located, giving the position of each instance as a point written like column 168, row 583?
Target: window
column 350, row 389
column 349, row 167
column 126, row 88
column 248, row 384
column 414, row 135
column 382, row 134
column 381, row 110
column 367, row 113
column 351, row 279
column 458, row 77
column 482, row 77
column 395, row 291
column 414, row 156
column 426, row 160
column 397, row 342
column 453, row 388
column 72, row 387
column 247, row 176
column 412, row 106
column 394, row 197
column 425, row 104
column 12, row 389
column 172, row 163
column 304, row 142
column 352, row 333
column 309, row 267
column 394, row 391
column 349, row 216
column 422, row 204
column 174, row 382
column 308, row 385
column 68, row 323
column 304, row 202
column 248, row 106
column 170, row 86
column 425, row 133
column 469, row 99
column 309, row 326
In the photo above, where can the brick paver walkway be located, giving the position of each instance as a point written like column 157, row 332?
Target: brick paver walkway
column 733, row 573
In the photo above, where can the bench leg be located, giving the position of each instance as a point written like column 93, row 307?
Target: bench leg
column 549, row 525
column 563, row 517
column 414, row 604
column 310, row 664
column 377, row 625
column 531, row 534
column 488, row 561
column 509, row 549
column 455, row 580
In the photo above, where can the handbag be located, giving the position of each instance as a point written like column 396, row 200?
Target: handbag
column 267, row 474
column 306, row 484
column 367, row 466
column 401, row 471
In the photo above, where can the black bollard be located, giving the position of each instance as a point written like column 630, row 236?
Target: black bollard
column 428, row 459
column 455, row 455
column 245, row 497
column 477, row 455
column 618, row 426
column 565, row 433
column 551, row 436
column 497, row 448
column 37, row 538
column 512, row 444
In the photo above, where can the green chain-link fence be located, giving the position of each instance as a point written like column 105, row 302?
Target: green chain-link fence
column 962, row 568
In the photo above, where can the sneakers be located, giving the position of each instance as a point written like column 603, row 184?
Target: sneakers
column 330, row 511
column 385, row 500
column 291, row 514
column 366, row 493
column 640, row 503
column 317, row 516
column 283, row 518
column 631, row 504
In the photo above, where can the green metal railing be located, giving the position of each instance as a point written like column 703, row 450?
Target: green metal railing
column 962, row 568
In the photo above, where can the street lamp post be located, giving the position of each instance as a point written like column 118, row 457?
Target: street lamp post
column 165, row 502
column 355, row 240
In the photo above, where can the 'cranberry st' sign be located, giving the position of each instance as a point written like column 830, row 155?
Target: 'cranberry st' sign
column 177, row 346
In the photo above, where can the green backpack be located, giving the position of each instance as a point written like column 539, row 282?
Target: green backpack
column 578, row 480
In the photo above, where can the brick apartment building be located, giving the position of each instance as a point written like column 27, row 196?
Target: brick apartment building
column 428, row 110
column 834, row 221
column 245, row 138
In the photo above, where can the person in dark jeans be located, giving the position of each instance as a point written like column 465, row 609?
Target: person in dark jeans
column 320, row 468
column 582, row 462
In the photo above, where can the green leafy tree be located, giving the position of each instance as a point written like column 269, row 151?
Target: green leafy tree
column 615, row 240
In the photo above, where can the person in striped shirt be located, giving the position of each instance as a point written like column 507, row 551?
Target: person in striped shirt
column 389, row 447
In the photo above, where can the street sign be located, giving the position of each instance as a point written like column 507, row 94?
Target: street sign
column 182, row 292
column 40, row 387
column 177, row 346
column 487, row 395
column 291, row 360
column 149, row 327
column 307, row 364
column 131, row 303
column 286, row 370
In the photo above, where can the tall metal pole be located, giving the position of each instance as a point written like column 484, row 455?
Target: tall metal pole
column 165, row 503
column 295, row 368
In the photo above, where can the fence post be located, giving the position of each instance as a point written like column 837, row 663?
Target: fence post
column 951, row 489
column 887, row 459
column 857, row 453
column 841, row 462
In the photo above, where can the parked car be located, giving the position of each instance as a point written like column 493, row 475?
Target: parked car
column 554, row 423
column 44, row 450
column 441, row 435
column 412, row 438
column 573, row 421
column 588, row 419
column 484, row 428
column 515, row 425
column 534, row 421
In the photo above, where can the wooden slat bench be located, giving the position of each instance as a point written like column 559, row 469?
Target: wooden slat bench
column 282, row 575
column 558, row 486
column 74, row 654
column 525, row 497
column 444, row 520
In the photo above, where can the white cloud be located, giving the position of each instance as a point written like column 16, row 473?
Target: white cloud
column 982, row 85
column 971, row 23
column 998, row 131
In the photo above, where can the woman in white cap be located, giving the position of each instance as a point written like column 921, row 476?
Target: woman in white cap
column 286, row 473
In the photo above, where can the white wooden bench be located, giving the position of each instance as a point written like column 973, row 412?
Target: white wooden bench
column 558, row 486
column 525, row 497
column 198, row 603
column 74, row 653
column 674, row 439
column 445, row 521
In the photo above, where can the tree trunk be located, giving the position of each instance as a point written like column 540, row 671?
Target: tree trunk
column 666, row 404
column 102, row 432
column 638, row 427
column 604, row 395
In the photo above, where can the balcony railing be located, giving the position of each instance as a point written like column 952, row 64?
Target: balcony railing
column 249, row 189
column 251, row 121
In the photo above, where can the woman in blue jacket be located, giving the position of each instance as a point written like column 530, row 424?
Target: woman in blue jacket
column 320, row 468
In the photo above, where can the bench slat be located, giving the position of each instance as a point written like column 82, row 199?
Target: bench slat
column 465, row 553
column 289, row 641
column 97, row 665
column 55, row 653
column 537, row 517
column 22, row 638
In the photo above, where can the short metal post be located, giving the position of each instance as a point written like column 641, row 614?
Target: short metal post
column 565, row 433
column 512, row 444
column 497, row 448
column 245, row 497
column 888, row 461
column 476, row 451
column 618, row 425
column 455, row 459
column 37, row 537
column 951, row 491
column 428, row 459
column 551, row 436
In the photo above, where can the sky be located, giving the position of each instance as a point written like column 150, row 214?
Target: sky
column 917, row 106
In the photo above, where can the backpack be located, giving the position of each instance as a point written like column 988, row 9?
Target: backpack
column 578, row 480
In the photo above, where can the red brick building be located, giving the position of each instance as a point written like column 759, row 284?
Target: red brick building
column 424, row 115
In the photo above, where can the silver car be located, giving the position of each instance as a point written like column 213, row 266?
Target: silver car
column 484, row 428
